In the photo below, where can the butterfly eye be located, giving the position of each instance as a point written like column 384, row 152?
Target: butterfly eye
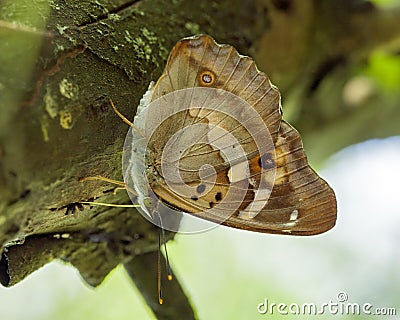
column 207, row 78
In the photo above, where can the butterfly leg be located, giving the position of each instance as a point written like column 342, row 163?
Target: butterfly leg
column 118, row 188
column 124, row 119
column 119, row 114
column 121, row 185
column 93, row 178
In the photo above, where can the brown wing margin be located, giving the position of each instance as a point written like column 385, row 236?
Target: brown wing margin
column 301, row 202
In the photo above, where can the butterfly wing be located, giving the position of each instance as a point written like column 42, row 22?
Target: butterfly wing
column 296, row 201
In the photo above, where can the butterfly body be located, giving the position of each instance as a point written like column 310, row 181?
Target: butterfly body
column 209, row 140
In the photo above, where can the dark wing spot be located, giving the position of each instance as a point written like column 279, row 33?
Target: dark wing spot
column 194, row 198
column 218, row 196
column 200, row 188
column 266, row 162
column 211, row 204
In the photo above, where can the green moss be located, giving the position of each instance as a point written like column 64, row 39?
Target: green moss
column 66, row 120
column 50, row 104
column 151, row 38
column 68, row 89
column 61, row 29
column 128, row 37
column 114, row 17
column 44, row 126
column 142, row 49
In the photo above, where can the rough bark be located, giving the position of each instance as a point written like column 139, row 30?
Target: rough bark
column 57, row 127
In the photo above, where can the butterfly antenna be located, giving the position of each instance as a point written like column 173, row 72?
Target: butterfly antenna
column 162, row 242
column 124, row 119
column 101, row 178
column 121, row 184
column 159, row 287
column 92, row 203
column 167, row 265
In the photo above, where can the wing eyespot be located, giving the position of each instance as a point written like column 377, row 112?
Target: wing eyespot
column 207, row 78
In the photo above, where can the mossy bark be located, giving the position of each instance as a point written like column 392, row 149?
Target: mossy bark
column 57, row 127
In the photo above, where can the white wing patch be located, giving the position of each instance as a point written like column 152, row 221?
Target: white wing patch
column 294, row 215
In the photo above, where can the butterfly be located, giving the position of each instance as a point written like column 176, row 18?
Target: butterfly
column 209, row 140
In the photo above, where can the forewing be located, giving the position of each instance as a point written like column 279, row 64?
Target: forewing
column 200, row 62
